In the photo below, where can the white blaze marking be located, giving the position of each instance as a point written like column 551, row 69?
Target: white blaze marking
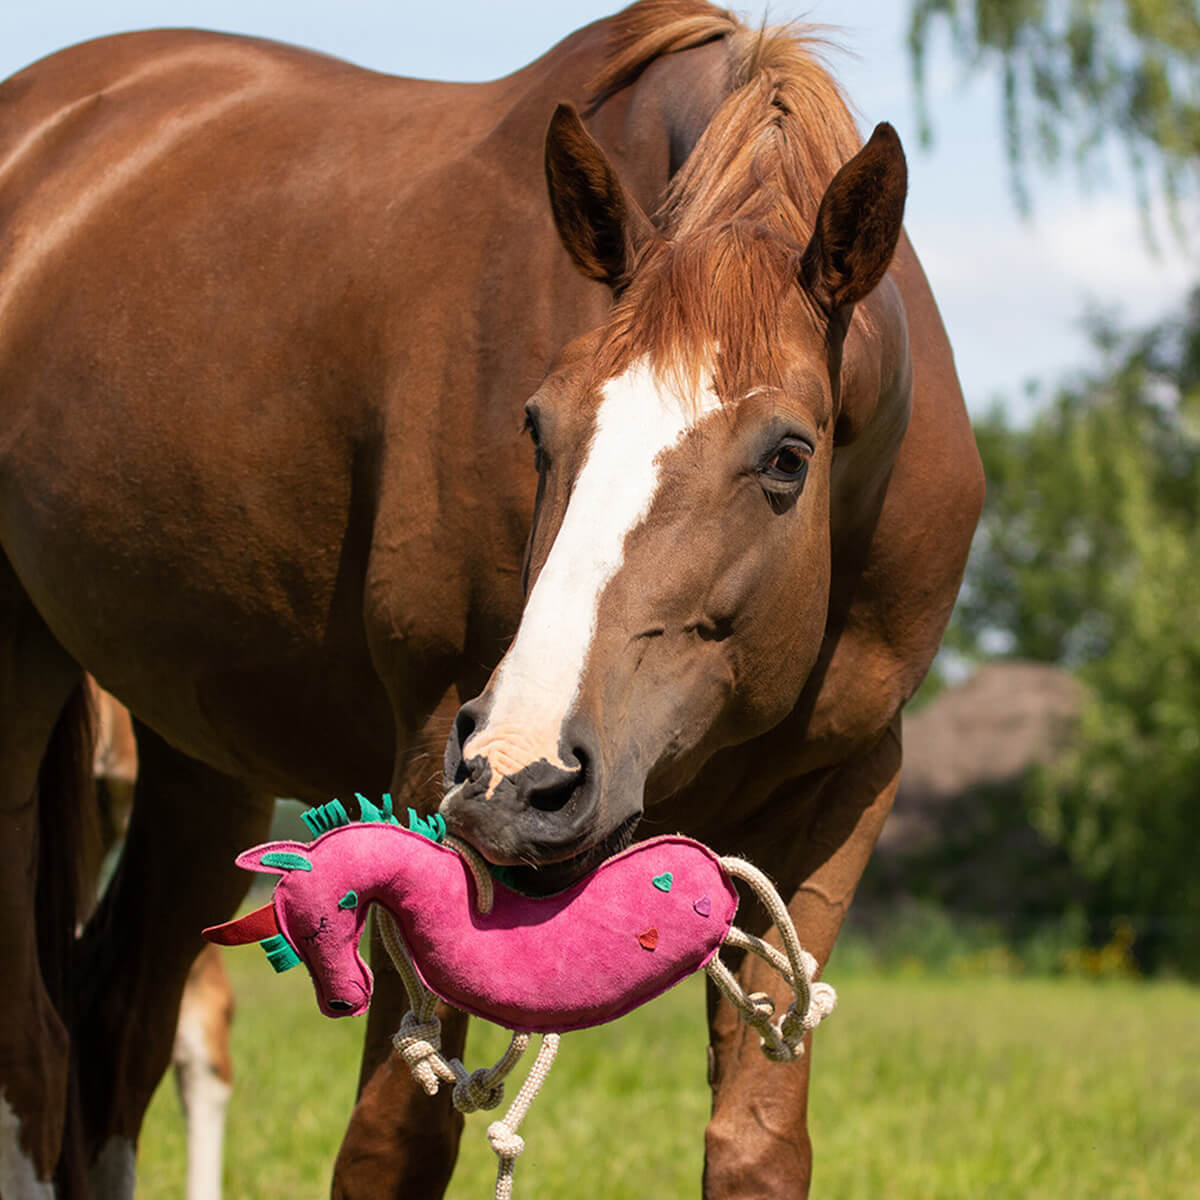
column 204, row 1097
column 17, row 1174
column 638, row 419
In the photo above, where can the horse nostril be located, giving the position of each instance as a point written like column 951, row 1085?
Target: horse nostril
column 553, row 797
column 340, row 1005
column 464, row 726
column 715, row 630
column 555, row 790
column 580, row 755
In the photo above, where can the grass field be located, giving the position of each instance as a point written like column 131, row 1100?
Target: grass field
column 929, row 1087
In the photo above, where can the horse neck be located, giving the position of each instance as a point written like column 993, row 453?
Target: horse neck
column 656, row 123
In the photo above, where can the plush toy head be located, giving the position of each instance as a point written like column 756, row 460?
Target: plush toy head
column 315, row 916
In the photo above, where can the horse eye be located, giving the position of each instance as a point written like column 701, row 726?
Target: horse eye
column 530, row 427
column 789, row 462
column 349, row 900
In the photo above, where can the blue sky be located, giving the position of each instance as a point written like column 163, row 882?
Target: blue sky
column 1012, row 293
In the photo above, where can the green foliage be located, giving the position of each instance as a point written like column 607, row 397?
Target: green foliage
column 920, row 938
column 1085, row 500
column 1089, row 556
column 1088, row 553
column 1076, row 73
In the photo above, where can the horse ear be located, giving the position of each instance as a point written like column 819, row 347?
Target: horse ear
column 276, row 858
column 601, row 225
column 858, row 226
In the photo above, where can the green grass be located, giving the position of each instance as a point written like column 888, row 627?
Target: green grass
column 923, row 1087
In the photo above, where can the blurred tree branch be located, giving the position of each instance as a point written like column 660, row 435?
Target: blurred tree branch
column 1077, row 75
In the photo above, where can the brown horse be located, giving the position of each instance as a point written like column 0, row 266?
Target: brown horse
column 269, row 325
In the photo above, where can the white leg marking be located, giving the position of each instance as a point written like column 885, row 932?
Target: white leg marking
column 17, row 1175
column 638, row 419
column 114, row 1172
column 204, row 1097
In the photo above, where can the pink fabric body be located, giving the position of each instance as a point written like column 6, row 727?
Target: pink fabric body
column 585, row 956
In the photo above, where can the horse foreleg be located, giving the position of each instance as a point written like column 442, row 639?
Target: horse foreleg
column 175, row 876
column 400, row 1142
column 757, row 1143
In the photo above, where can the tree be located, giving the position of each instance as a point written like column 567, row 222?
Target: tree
column 1088, row 555
column 1059, row 532
column 1077, row 74
column 1089, row 549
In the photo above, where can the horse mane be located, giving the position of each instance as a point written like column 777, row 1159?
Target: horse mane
column 647, row 30
column 739, row 212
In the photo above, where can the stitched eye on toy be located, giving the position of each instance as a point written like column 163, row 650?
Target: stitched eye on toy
column 317, row 933
column 349, row 900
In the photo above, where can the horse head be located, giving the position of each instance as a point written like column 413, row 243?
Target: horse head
column 315, row 916
column 678, row 568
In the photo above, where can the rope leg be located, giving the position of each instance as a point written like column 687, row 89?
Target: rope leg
column 757, row 1009
column 484, row 1088
column 741, row 940
column 419, row 1043
column 814, row 1001
column 502, row 1134
column 419, row 1038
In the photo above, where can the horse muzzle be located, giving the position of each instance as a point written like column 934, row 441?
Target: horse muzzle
column 542, row 849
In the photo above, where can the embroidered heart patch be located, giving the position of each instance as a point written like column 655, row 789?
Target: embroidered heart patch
column 649, row 939
column 703, row 906
column 663, row 882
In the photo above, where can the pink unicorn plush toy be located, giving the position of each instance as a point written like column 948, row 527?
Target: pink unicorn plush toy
column 639, row 924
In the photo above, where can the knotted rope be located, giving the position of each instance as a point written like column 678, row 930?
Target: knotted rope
column 502, row 1135
column 782, row 1041
column 419, row 1042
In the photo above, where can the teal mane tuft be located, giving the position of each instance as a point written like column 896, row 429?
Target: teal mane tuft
column 279, row 952
column 368, row 811
column 325, row 817
column 433, row 827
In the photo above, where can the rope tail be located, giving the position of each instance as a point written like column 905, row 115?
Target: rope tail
column 783, row 1040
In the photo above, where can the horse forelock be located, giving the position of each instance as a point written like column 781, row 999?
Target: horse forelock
column 785, row 127
column 705, row 314
column 709, row 296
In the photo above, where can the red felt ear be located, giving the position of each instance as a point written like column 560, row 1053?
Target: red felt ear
column 253, row 927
